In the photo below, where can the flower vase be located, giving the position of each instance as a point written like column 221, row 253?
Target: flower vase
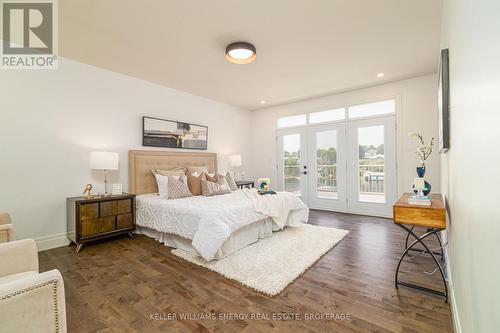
column 421, row 174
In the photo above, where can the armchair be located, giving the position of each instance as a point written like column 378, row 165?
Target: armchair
column 29, row 301
column 6, row 228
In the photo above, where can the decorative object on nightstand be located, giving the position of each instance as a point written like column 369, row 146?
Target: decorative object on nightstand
column 106, row 161
column 423, row 152
column 433, row 218
column 245, row 183
column 235, row 162
column 99, row 218
column 86, row 192
column 420, row 198
column 117, row 189
column 264, row 183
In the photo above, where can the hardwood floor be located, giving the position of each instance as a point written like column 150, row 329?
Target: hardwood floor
column 121, row 285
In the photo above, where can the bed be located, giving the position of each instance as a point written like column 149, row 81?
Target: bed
column 212, row 227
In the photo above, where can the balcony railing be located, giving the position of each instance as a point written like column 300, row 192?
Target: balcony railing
column 371, row 178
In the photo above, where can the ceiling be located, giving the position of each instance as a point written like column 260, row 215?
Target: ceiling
column 305, row 48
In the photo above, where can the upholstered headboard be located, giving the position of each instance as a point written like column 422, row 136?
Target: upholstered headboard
column 140, row 162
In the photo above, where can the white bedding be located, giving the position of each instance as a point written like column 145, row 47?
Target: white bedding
column 209, row 221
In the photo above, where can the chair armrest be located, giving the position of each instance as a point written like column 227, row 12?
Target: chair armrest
column 18, row 256
column 9, row 230
column 34, row 304
column 4, row 218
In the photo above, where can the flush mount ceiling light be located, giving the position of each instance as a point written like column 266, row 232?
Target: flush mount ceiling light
column 241, row 53
column 380, row 75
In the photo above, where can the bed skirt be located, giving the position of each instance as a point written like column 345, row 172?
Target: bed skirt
column 238, row 239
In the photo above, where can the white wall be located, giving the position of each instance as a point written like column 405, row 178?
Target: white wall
column 417, row 111
column 50, row 120
column 471, row 178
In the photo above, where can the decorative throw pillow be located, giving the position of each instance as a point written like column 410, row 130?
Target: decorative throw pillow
column 210, row 178
column 231, row 182
column 174, row 171
column 178, row 188
column 209, row 188
column 197, row 170
column 162, row 182
column 194, row 183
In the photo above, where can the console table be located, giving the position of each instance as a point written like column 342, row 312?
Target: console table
column 433, row 218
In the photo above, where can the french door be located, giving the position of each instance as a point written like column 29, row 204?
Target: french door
column 348, row 166
column 327, row 166
column 372, row 165
column 292, row 162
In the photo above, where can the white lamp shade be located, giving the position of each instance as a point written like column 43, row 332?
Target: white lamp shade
column 103, row 160
column 235, row 160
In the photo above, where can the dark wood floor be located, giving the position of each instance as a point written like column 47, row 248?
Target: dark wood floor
column 116, row 286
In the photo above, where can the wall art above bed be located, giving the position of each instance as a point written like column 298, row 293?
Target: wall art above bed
column 173, row 134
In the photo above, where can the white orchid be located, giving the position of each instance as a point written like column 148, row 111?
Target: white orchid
column 424, row 151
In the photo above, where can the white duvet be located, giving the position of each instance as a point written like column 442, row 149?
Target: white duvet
column 209, row 221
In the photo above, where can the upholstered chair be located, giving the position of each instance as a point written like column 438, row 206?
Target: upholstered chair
column 6, row 228
column 29, row 301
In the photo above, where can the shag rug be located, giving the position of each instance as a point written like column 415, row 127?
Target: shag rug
column 272, row 263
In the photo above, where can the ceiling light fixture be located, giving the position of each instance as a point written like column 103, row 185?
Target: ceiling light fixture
column 262, row 102
column 380, row 75
column 241, row 53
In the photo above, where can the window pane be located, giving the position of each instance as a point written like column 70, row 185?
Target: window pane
column 291, row 161
column 371, row 164
column 326, row 164
column 324, row 116
column 292, row 121
column 372, row 109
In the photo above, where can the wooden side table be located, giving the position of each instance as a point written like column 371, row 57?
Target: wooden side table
column 99, row 218
column 433, row 218
column 245, row 183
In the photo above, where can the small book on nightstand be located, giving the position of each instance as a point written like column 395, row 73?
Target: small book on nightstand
column 420, row 200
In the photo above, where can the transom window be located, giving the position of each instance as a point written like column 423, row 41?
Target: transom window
column 372, row 109
column 325, row 116
column 292, row 121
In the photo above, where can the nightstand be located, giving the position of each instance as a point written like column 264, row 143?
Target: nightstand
column 244, row 183
column 99, row 218
column 432, row 217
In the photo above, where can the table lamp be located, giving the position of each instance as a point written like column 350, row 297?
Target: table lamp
column 103, row 160
column 235, row 161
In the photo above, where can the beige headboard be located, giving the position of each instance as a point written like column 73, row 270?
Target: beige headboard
column 141, row 180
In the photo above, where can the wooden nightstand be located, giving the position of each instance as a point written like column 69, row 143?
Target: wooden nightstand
column 433, row 218
column 99, row 218
column 244, row 183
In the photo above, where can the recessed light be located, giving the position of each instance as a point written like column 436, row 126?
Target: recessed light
column 241, row 53
column 262, row 102
column 380, row 75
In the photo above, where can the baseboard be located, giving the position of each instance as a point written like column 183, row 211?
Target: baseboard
column 52, row 241
column 454, row 311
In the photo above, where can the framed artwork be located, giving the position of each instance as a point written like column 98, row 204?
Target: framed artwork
column 173, row 134
column 444, row 102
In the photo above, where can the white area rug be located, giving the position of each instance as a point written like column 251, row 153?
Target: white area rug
column 272, row 263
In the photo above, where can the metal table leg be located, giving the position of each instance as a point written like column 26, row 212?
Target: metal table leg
column 408, row 248
column 441, row 253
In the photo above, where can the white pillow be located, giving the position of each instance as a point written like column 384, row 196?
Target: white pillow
column 162, row 183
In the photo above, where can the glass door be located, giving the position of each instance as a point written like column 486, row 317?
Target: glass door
column 292, row 162
column 372, row 165
column 327, row 166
